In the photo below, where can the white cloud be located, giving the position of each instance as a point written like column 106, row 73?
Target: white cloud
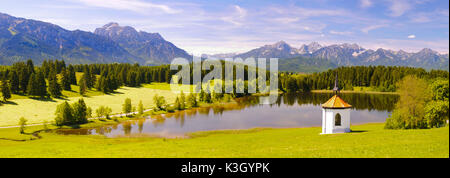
column 340, row 33
column 442, row 46
column 399, row 7
column 420, row 18
column 131, row 5
column 411, row 36
column 423, row 17
column 371, row 27
column 237, row 17
column 365, row 3
column 285, row 20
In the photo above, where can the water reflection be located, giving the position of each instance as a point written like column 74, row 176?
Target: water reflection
column 290, row 110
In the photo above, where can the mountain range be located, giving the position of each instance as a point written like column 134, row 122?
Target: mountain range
column 22, row 39
column 342, row 55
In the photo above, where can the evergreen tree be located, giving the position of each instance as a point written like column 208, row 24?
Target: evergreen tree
column 33, row 87
column 87, row 77
column 192, row 100
column 30, row 66
column 41, row 84
column 92, row 79
column 182, row 100
column 53, row 86
column 177, row 103
column 14, row 81
column 208, row 94
column 65, row 80
column 23, row 74
column 80, row 112
column 131, row 79
column 6, row 92
column 83, row 87
column 126, row 107
column 64, row 114
column 141, row 108
column 102, row 85
column 202, row 95
column 72, row 75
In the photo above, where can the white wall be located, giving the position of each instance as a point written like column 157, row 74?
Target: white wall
column 328, row 116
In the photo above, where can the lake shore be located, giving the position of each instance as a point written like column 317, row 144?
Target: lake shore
column 351, row 91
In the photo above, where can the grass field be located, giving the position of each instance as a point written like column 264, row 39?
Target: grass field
column 38, row 111
column 370, row 140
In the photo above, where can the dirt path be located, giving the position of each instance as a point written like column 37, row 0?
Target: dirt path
column 115, row 115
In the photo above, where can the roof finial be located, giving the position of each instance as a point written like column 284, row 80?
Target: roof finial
column 336, row 88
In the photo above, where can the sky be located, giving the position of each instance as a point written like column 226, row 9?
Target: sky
column 224, row 26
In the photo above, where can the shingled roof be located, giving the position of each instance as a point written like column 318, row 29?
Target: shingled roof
column 336, row 102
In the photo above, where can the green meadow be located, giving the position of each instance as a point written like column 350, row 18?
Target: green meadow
column 368, row 140
column 38, row 111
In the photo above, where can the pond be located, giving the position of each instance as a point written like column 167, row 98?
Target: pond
column 290, row 110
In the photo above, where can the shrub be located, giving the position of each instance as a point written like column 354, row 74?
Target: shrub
column 22, row 123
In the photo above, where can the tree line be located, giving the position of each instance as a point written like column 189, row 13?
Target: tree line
column 50, row 79
column 380, row 78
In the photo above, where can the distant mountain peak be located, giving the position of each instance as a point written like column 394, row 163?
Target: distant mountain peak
column 428, row 50
column 149, row 46
column 280, row 45
column 22, row 39
column 314, row 43
column 111, row 24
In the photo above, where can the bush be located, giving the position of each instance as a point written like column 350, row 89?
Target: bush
column 409, row 110
column 192, row 100
column 170, row 108
column 103, row 111
column 126, row 107
column 141, row 108
column 159, row 101
column 22, row 123
column 436, row 113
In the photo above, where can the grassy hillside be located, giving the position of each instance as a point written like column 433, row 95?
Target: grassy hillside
column 369, row 140
column 37, row 111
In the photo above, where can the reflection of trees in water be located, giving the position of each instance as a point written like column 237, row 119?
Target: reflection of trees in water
column 141, row 125
column 382, row 102
column 204, row 111
column 191, row 112
column 100, row 131
column 126, row 127
column 218, row 110
column 179, row 117
column 157, row 120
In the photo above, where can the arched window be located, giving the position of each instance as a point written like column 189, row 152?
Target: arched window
column 337, row 120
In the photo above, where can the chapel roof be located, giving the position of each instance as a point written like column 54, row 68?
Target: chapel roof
column 336, row 102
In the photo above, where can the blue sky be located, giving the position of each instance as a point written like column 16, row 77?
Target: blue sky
column 206, row 26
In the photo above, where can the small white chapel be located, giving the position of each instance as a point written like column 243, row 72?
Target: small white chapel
column 335, row 113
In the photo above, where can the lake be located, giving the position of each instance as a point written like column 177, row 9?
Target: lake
column 290, row 110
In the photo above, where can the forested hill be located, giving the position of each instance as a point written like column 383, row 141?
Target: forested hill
column 22, row 39
column 378, row 78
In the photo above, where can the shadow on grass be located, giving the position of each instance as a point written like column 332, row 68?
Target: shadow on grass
column 48, row 99
column 358, row 131
column 9, row 102
column 17, row 140
column 35, row 135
